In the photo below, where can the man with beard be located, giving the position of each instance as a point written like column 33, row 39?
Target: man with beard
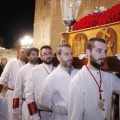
column 19, row 103
column 91, row 89
column 35, row 80
column 9, row 75
column 54, row 93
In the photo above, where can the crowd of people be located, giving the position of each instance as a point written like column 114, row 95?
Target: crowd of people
column 44, row 92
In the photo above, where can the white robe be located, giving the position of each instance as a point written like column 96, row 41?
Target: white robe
column 84, row 95
column 54, row 94
column 33, row 87
column 3, row 108
column 19, row 91
column 9, row 74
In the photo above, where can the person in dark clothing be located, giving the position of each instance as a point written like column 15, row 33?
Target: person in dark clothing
column 2, row 65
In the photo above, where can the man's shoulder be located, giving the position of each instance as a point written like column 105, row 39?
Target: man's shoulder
column 53, row 74
column 36, row 68
column 107, row 73
column 75, row 69
column 12, row 62
column 23, row 67
column 56, row 69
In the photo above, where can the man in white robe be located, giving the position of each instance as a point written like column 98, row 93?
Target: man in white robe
column 9, row 75
column 91, row 89
column 3, row 108
column 33, row 86
column 19, row 102
column 54, row 93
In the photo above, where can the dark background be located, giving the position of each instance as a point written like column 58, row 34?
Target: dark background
column 16, row 20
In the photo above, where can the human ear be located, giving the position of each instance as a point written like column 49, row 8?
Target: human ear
column 88, row 52
column 58, row 57
column 28, row 57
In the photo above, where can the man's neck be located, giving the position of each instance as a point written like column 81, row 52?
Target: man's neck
column 66, row 68
column 48, row 64
column 22, row 60
column 91, row 67
column 32, row 63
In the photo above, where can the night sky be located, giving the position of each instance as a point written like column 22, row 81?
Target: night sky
column 16, row 20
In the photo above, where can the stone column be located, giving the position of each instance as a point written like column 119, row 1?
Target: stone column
column 57, row 26
column 48, row 24
column 42, row 23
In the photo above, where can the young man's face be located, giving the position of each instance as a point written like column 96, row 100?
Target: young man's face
column 33, row 58
column 66, row 57
column 98, row 54
column 46, row 55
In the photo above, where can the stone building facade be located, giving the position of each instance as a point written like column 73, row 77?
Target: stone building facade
column 8, row 54
column 48, row 24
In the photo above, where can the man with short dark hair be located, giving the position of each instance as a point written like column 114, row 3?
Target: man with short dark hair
column 33, row 86
column 54, row 93
column 20, row 109
column 9, row 74
column 91, row 89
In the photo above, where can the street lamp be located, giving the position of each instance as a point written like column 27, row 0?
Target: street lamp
column 26, row 41
column 70, row 9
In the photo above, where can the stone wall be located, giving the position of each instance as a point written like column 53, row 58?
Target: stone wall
column 42, row 23
column 8, row 54
column 48, row 24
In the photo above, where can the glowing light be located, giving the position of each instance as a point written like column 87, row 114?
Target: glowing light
column 26, row 41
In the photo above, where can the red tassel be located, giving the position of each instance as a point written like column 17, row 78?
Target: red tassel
column 1, row 86
column 32, row 108
column 15, row 102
